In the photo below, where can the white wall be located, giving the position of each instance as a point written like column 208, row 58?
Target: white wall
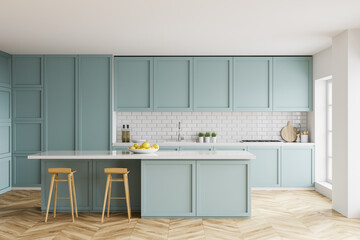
column 322, row 64
column 316, row 120
column 346, row 123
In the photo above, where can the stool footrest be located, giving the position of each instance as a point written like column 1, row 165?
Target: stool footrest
column 117, row 180
column 61, row 180
column 117, row 198
column 62, row 198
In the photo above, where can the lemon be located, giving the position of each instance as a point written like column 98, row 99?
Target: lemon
column 156, row 146
column 152, row 148
column 136, row 145
column 145, row 145
column 141, row 148
column 131, row 147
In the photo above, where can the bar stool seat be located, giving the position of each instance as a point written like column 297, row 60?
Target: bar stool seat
column 72, row 196
column 110, row 179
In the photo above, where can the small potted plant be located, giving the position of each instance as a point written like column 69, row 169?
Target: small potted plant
column 213, row 137
column 207, row 137
column 201, row 137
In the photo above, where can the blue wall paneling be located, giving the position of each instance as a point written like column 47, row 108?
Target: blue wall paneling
column 5, row 123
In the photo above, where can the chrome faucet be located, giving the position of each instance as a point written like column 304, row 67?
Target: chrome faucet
column 179, row 137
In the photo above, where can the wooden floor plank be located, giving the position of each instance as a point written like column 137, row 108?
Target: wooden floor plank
column 275, row 215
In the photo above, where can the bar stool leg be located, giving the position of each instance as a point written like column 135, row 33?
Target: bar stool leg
column 109, row 197
column 127, row 195
column 55, row 194
column 74, row 194
column 49, row 198
column 106, row 192
column 71, row 199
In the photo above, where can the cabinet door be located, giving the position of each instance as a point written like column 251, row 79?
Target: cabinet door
column 297, row 168
column 167, row 188
column 60, row 75
column 28, row 171
column 5, row 174
column 173, row 83
column 265, row 169
column 292, row 78
column 213, row 83
column 133, row 83
column 94, row 102
column 220, row 188
column 252, row 83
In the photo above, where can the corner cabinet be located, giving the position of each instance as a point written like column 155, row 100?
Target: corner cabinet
column 252, row 83
column 213, row 83
column 292, row 84
column 133, row 78
column 173, row 83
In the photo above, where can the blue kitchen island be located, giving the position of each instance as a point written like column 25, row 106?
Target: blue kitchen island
column 166, row 184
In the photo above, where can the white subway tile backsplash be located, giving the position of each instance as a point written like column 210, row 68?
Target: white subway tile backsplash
column 229, row 126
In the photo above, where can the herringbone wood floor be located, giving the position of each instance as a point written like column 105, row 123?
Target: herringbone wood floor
column 275, row 215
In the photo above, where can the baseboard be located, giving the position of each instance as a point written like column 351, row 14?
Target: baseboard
column 26, row 188
column 282, row 188
column 324, row 188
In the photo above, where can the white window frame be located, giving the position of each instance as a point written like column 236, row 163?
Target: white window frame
column 328, row 132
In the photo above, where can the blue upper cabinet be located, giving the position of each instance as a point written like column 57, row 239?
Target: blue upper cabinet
column 292, row 84
column 5, row 69
column 27, row 71
column 213, row 83
column 252, row 83
column 133, row 83
column 173, row 83
column 60, row 88
column 94, row 102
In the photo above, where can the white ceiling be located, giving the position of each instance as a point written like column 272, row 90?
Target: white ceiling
column 174, row 27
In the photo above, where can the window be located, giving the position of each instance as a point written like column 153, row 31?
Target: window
column 329, row 131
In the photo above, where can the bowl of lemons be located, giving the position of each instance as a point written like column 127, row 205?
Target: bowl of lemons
column 144, row 148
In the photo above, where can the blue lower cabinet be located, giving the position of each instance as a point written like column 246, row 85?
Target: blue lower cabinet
column 200, row 148
column 117, row 190
column 265, row 169
column 222, row 188
column 297, row 169
column 28, row 171
column 5, row 174
column 168, row 188
column 83, row 184
column 230, row 148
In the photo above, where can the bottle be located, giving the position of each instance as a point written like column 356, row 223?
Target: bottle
column 128, row 133
column 123, row 134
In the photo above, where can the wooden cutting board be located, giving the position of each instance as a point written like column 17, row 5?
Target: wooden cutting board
column 288, row 133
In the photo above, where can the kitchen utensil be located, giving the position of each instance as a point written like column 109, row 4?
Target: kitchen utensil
column 288, row 133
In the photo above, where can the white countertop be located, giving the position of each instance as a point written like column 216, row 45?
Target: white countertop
column 237, row 155
column 223, row 144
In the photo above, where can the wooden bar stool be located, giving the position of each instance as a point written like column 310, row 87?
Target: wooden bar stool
column 54, row 179
column 110, row 172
